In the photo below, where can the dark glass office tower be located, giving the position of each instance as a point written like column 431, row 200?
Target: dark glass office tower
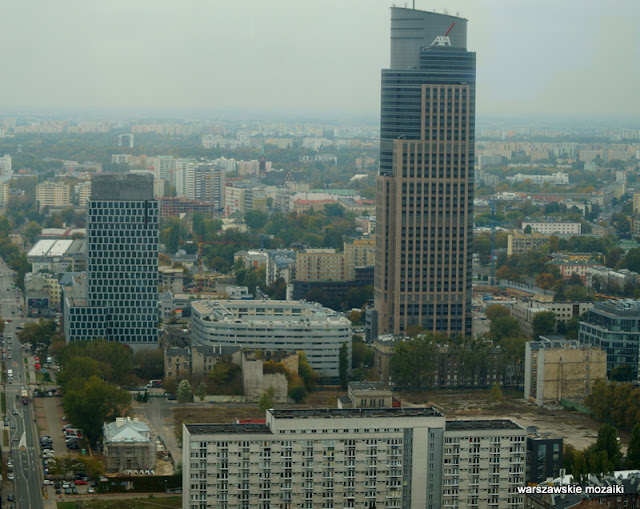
column 424, row 213
column 122, row 257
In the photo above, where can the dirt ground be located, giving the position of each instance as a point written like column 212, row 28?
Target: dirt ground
column 576, row 429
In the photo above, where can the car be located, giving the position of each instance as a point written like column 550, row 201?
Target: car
column 11, row 498
column 15, row 439
column 72, row 446
column 13, row 426
column 6, row 421
column 10, row 476
column 9, row 463
column 58, row 491
column 91, row 490
column 48, row 482
column 14, row 412
column 74, row 490
column 67, row 491
column 79, row 482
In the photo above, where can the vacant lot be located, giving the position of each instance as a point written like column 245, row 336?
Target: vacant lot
column 125, row 502
column 576, row 429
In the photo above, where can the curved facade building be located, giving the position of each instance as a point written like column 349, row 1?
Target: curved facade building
column 274, row 325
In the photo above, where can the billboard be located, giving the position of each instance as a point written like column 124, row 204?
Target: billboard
column 38, row 302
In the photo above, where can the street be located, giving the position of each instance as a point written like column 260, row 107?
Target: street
column 23, row 445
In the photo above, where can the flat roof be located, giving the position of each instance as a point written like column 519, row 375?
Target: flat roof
column 206, row 429
column 476, row 424
column 345, row 413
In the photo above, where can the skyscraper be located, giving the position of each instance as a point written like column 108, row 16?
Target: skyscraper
column 425, row 187
column 122, row 256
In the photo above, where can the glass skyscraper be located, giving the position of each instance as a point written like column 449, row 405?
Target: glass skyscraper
column 425, row 188
column 122, row 256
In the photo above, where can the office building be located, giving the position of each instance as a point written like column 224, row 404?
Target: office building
column 6, row 171
column 544, row 457
column 121, row 298
column 425, row 187
column 614, row 326
column 339, row 458
column 274, row 325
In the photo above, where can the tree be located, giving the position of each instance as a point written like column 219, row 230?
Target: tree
column 545, row 281
column 96, row 402
column 149, row 363
column 633, row 451
column 256, row 219
column 298, row 393
column 268, row 399
column 413, row 362
column 183, row 393
column 343, row 365
column 496, row 393
column 543, row 323
column 494, row 311
column 504, row 327
column 608, row 443
column 624, row 373
column 306, row 372
column 201, row 392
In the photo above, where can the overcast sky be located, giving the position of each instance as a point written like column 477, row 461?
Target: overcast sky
column 555, row 57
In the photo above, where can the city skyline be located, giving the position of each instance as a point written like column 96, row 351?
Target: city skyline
column 537, row 58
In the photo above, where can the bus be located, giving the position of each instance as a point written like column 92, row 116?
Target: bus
column 24, row 395
column 10, row 374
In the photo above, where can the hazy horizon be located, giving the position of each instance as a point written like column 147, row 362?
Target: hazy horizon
column 307, row 58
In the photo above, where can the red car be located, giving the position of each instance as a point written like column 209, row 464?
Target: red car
column 79, row 481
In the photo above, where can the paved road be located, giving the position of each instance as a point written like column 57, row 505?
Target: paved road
column 24, row 439
column 158, row 413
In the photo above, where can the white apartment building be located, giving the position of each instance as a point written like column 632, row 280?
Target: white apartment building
column 556, row 179
column 274, row 325
column 339, row 458
column 6, row 171
column 554, row 228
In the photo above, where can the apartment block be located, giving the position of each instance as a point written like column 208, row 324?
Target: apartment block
column 340, row 458
column 52, row 194
column 554, row 228
column 320, row 265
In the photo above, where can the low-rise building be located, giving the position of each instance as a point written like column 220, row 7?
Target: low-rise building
column 128, row 446
column 558, row 228
column 274, row 325
column 518, row 243
column 525, row 311
column 557, row 369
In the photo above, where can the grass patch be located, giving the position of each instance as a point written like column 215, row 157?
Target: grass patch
column 5, row 438
column 43, row 378
column 3, row 403
column 151, row 502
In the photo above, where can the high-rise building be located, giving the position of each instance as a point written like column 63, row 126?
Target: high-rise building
column 122, row 255
column 121, row 302
column 425, row 187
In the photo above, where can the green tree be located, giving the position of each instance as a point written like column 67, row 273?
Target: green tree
column 268, row 399
column 201, row 392
column 77, row 371
column 624, row 373
column 149, row 363
column 97, row 402
column 184, row 393
column 608, row 443
column 413, row 362
column 633, row 451
column 306, row 372
column 496, row 393
column 504, row 327
column 543, row 323
column 256, row 219
column 343, row 365
column 31, row 231
column 298, row 393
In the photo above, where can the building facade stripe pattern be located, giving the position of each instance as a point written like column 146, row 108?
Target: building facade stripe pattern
column 425, row 187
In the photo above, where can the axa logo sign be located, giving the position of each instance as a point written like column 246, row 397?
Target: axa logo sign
column 443, row 40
